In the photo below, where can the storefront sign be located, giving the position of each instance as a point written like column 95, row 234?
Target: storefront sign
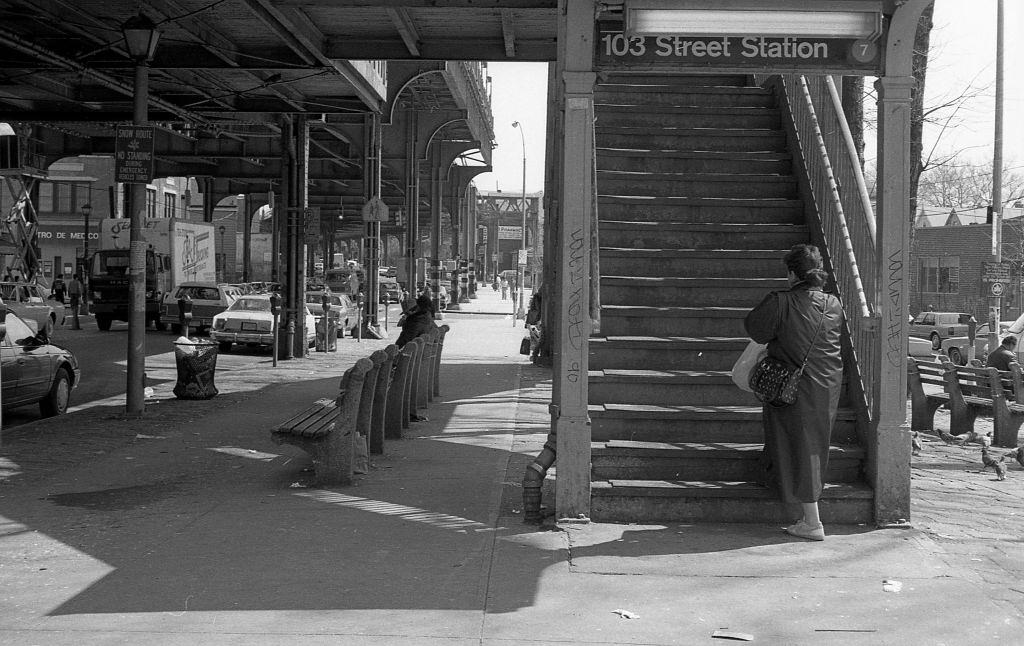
column 615, row 50
column 510, row 233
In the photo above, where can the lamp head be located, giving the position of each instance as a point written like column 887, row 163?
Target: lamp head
column 87, row 210
column 515, row 124
column 140, row 38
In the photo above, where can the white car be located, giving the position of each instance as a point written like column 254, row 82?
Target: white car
column 958, row 349
column 248, row 321
column 920, row 348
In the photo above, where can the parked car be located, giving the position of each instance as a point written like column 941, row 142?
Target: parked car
column 442, row 297
column 249, row 321
column 390, row 291
column 29, row 301
column 208, row 300
column 957, row 348
column 936, row 326
column 920, row 348
column 342, row 308
column 35, row 371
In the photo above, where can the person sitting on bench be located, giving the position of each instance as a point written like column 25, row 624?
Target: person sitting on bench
column 418, row 320
column 1004, row 355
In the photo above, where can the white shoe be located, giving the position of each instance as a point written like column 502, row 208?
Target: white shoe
column 810, row 532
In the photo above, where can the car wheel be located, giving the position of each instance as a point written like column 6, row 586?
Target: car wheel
column 159, row 325
column 56, row 401
column 956, row 357
column 936, row 341
column 224, row 346
column 103, row 322
column 175, row 328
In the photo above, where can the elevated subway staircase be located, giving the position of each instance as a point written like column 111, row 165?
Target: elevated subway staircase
column 697, row 204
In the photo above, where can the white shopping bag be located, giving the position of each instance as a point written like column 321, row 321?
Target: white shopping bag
column 741, row 370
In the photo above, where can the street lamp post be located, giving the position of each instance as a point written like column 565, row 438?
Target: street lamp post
column 86, row 212
column 140, row 37
column 521, row 312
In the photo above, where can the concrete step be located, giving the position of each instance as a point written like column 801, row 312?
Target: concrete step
column 666, row 388
column 696, row 184
column 722, row 139
column 651, row 95
column 674, row 235
column 630, row 113
column 684, row 161
column 693, row 263
column 638, row 320
column 653, row 423
column 695, row 292
column 665, row 353
column 682, row 423
column 679, row 501
column 633, row 460
column 700, row 210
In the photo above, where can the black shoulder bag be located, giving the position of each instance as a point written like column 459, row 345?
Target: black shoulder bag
column 774, row 382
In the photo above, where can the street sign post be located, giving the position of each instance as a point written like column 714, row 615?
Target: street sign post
column 133, row 154
column 375, row 210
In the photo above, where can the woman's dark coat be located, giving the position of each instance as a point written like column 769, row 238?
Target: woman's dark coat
column 796, row 443
column 418, row 321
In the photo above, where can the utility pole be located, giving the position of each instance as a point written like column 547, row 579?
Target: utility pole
column 995, row 309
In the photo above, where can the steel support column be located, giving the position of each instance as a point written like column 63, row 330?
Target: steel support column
column 572, row 423
column 889, row 457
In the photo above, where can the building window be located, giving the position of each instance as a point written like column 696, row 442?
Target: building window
column 150, row 202
column 940, row 275
column 45, row 204
column 170, row 204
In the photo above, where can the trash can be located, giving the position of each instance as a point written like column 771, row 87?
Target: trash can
column 197, row 363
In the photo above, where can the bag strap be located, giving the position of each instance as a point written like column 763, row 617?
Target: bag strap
column 810, row 345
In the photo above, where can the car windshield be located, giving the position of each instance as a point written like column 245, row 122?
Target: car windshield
column 1017, row 326
column 251, row 305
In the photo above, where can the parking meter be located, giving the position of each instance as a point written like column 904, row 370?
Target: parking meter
column 185, row 313
column 275, row 310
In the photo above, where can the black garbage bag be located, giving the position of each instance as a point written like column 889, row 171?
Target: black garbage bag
column 197, row 365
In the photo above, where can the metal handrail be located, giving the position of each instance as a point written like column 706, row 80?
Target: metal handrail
column 842, row 227
column 846, row 216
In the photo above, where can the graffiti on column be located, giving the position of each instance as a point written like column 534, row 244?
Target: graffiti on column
column 576, row 324
column 897, row 316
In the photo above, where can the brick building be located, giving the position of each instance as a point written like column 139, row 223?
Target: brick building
column 946, row 263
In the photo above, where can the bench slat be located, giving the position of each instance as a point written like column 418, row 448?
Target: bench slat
column 315, row 421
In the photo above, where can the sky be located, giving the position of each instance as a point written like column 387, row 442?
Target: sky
column 963, row 53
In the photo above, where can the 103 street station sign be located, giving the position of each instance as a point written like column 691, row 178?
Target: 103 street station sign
column 615, row 50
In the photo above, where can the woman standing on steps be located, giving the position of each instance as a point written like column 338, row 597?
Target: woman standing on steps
column 801, row 321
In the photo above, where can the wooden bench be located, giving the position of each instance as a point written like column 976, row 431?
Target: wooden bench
column 927, row 385
column 327, row 430
column 396, row 415
column 982, row 391
column 380, row 398
column 435, row 375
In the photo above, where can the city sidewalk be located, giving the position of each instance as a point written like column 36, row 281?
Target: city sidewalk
column 190, row 526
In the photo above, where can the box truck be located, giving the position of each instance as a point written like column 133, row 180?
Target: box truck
column 176, row 251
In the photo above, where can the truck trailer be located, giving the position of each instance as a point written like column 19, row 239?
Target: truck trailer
column 176, row 251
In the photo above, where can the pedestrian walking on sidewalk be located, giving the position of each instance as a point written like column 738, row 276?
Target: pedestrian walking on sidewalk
column 504, row 289
column 800, row 322
column 75, row 292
